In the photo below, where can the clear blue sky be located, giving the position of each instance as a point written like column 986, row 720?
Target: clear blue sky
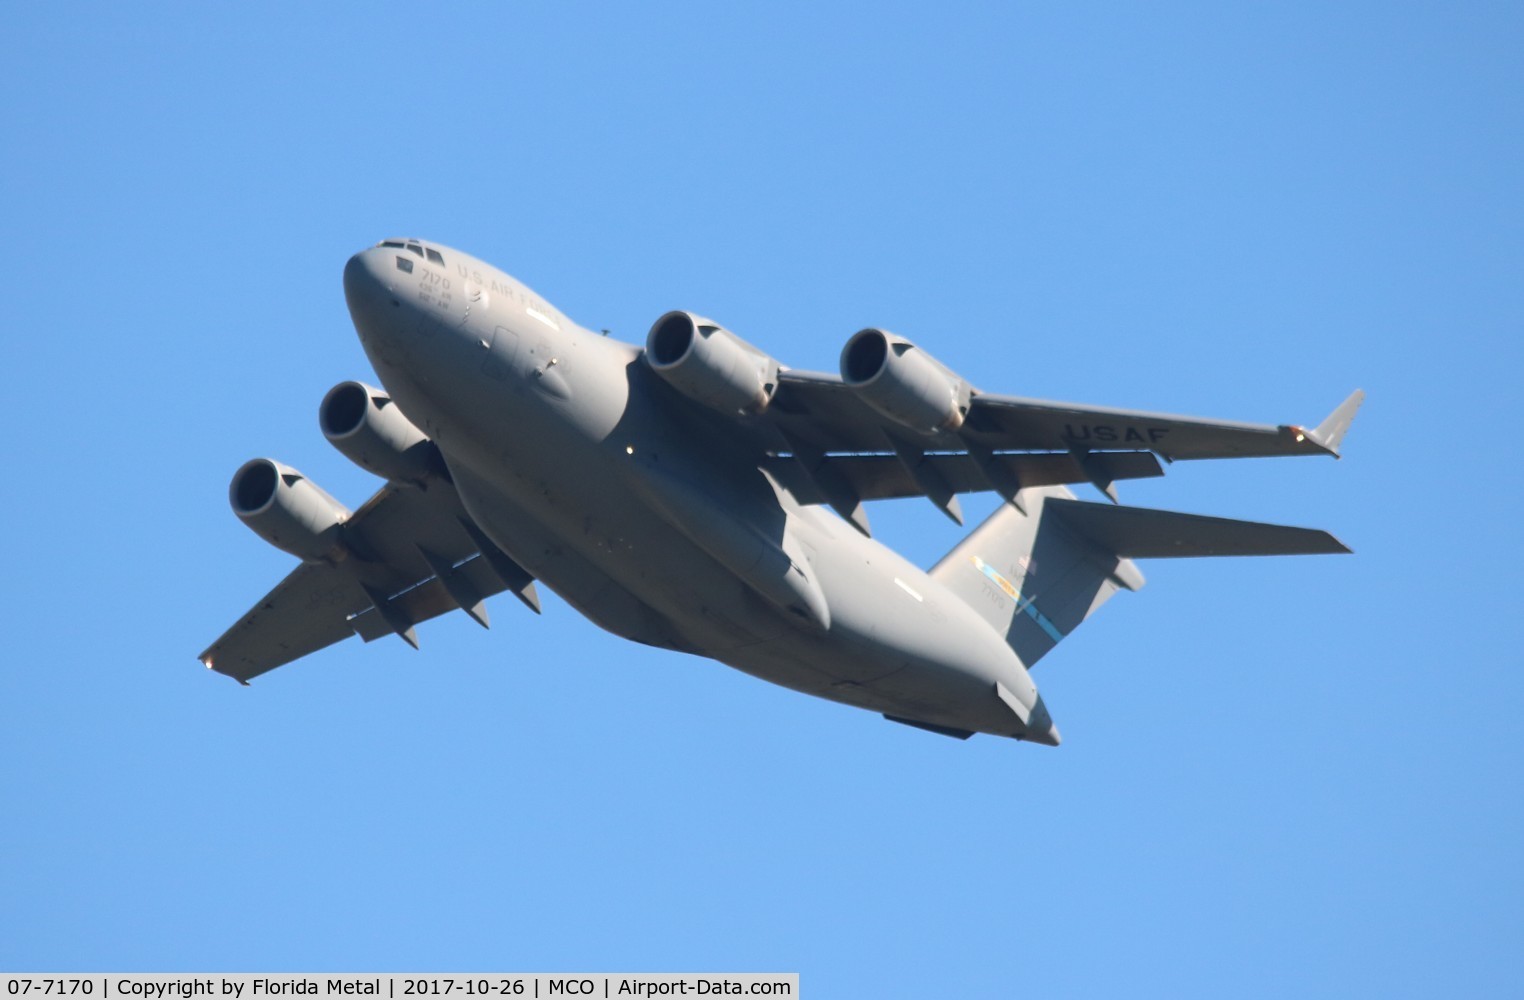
column 1278, row 776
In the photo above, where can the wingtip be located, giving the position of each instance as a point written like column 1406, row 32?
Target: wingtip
column 1330, row 433
column 208, row 661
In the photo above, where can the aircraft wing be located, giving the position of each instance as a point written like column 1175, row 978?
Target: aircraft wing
column 1039, row 423
column 825, row 412
column 833, row 448
column 411, row 554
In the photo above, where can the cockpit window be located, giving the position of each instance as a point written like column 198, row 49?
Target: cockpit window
column 413, row 246
column 404, row 265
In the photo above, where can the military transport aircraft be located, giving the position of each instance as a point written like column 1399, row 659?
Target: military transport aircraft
column 674, row 495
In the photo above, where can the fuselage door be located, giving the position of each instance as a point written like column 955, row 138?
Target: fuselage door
column 502, row 351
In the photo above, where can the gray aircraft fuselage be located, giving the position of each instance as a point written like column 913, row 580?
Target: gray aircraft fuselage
column 653, row 517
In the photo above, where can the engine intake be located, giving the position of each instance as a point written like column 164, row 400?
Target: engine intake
column 903, row 382
column 288, row 510
column 370, row 430
column 709, row 364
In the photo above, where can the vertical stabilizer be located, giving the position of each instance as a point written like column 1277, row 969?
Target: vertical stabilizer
column 1033, row 576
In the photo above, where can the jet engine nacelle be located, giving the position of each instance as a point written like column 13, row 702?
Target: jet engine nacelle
column 363, row 423
column 706, row 362
column 288, row 510
column 903, row 382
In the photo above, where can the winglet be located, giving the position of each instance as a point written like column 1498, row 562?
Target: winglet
column 1331, row 431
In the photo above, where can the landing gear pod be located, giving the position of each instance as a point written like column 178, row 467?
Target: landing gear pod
column 903, row 382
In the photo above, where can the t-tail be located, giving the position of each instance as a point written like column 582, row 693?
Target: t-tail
column 1036, row 576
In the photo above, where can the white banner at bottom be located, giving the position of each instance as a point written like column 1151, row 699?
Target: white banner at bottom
column 392, row 986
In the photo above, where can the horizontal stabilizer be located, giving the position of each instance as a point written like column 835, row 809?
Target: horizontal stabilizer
column 1140, row 533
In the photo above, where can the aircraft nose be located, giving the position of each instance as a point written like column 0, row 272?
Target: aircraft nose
column 366, row 284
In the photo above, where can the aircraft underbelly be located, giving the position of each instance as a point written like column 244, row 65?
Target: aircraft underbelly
column 581, row 583
column 590, row 549
column 619, row 564
column 899, row 658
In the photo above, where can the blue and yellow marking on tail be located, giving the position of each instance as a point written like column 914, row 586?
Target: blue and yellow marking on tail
column 1023, row 604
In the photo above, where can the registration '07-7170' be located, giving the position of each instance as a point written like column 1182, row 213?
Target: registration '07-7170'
column 46, row 987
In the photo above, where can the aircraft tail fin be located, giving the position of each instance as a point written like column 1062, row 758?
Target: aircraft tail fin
column 1036, row 576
